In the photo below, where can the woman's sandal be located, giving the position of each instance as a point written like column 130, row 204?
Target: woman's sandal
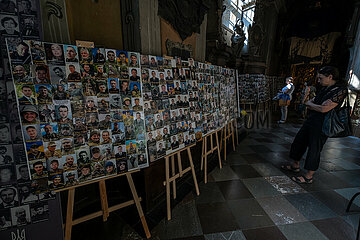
column 306, row 180
column 290, row 168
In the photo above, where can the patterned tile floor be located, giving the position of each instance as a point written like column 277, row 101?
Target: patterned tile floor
column 251, row 198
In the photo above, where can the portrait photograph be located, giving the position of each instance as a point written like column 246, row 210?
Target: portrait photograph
column 38, row 168
column 7, row 174
column 134, row 59
column 6, row 154
column 70, row 178
column 57, row 74
column 122, row 58
column 72, row 71
column 83, row 155
column 5, row 219
column 110, row 167
column 32, row 133
column 63, row 111
column 30, row 26
column 113, row 85
column 132, row 161
column 20, row 215
column 65, row 130
column 98, row 55
column 145, row 74
column 97, row 169
column 39, row 212
column 116, row 101
column 144, row 60
column 131, row 147
column 71, row 52
column 153, row 62
column 115, row 115
column 134, row 74
column 111, row 56
column 9, row 25
column 43, row 94
column 37, row 52
column 85, row 55
column 100, row 71
column 22, row 74
column 54, row 53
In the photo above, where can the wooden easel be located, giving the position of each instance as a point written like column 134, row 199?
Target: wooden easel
column 227, row 132
column 105, row 209
column 174, row 176
column 205, row 152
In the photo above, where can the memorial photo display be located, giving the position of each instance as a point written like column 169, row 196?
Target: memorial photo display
column 88, row 113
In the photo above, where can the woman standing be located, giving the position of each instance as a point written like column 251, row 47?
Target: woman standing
column 287, row 91
column 310, row 135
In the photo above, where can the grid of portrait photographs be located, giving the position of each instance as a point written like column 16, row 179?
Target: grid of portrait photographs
column 18, row 193
column 166, row 105
column 254, row 88
column 81, row 112
column 228, row 97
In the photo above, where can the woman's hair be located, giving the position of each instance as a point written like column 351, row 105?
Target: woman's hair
column 290, row 79
column 329, row 70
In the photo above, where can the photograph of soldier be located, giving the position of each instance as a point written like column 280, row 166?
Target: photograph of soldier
column 32, row 133
column 57, row 75
column 135, row 89
column 56, row 182
column 154, row 78
column 80, row 139
column 150, row 138
column 112, row 70
column 160, row 149
column 142, row 159
column 116, row 115
column 107, row 151
column 7, row 174
column 27, row 95
column 130, row 147
column 97, row 169
column 39, row 212
column 169, row 75
column 145, row 74
column 85, row 56
column 53, row 149
column 20, row 215
column 102, row 90
column 134, row 74
column 83, row 155
column 38, row 169
column 120, row 152
column 137, row 104
column 43, row 94
column 25, row 194
column 150, row 124
column 8, row 197
column 100, row 72
column 144, row 60
column 124, row 73
column 105, row 137
column 110, row 56
column 110, row 167
column 40, row 185
column 128, row 118
column 21, row 53
column 65, row 130
column 153, row 62
column 75, row 91
column 37, row 52
column 115, row 101
column 5, row 219
column 79, row 124
column 163, row 94
column 21, row 74
column 116, row 128
column 132, row 161
column 162, row 78
column 63, row 113
column 147, row 108
column 174, row 142
column 67, row 146
column 16, row 133
column 22, row 173
column 19, row 153
column 113, row 85
column 35, row 150
column 96, row 155
column 105, row 121
column 70, row 178
column 103, row 106
column 71, row 53
column 94, row 138
column 72, row 71
column 54, row 54
column 59, row 92
column 134, row 59
column 98, row 55
column 53, row 167
column 87, row 71
column 158, row 134
column 175, row 73
column 91, row 104
column 130, row 132
column 5, row 135
column 125, row 88
column 139, row 123
column 122, row 58
column 126, row 104
column 92, row 121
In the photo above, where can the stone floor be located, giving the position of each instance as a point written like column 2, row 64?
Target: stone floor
column 250, row 198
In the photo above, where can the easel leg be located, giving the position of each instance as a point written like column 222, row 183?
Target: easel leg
column 232, row 135
column 173, row 174
column 221, row 138
column 225, row 138
column 69, row 214
column 193, row 171
column 167, row 184
column 218, row 149
column 138, row 205
column 205, row 161
column 104, row 200
column 179, row 164
column 237, row 134
column 202, row 155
